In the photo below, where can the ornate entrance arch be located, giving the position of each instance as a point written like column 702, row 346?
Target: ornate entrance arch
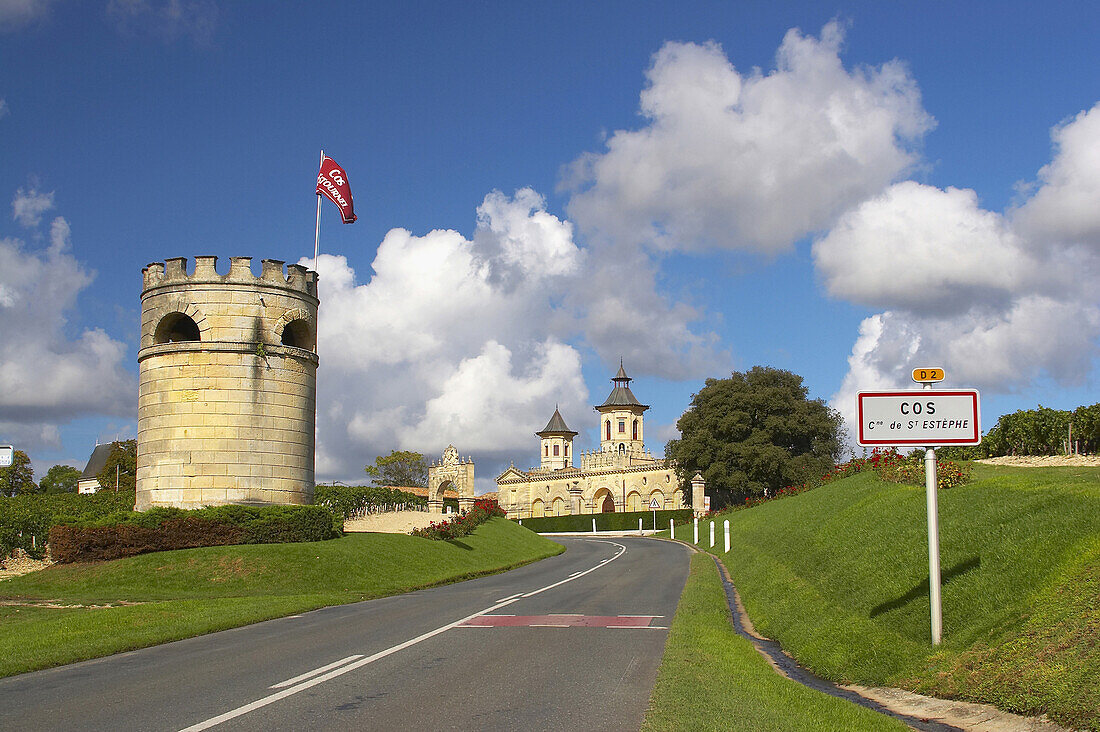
column 452, row 472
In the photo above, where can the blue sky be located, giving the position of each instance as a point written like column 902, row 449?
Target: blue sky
column 692, row 186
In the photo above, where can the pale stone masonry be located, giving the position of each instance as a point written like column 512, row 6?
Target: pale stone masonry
column 227, row 384
column 621, row 476
column 451, row 475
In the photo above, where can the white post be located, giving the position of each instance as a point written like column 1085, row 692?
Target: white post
column 671, row 530
column 593, row 526
column 712, row 533
column 639, row 526
column 726, row 524
column 654, row 519
column 696, row 532
column 930, row 489
column 317, row 229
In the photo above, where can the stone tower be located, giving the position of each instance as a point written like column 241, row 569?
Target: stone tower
column 621, row 417
column 557, row 443
column 227, row 384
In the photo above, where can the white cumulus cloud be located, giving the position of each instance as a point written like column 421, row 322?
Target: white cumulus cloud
column 28, row 206
column 998, row 300
column 48, row 375
column 451, row 340
column 753, row 161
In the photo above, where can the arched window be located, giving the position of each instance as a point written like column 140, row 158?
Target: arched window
column 298, row 334
column 567, row 449
column 546, row 451
column 175, row 328
column 555, row 450
column 608, row 423
column 622, row 449
column 635, row 437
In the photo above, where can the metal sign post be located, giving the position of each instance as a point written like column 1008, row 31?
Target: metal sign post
column 927, row 418
column 931, row 491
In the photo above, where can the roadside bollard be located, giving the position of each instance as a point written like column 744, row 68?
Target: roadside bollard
column 726, row 523
column 593, row 526
column 639, row 527
column 671, row 530
column 712, row 533
column 696, row 532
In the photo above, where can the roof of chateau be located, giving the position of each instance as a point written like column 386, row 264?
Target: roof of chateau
column 97, row 461
column 556, row 426
column 621, row 395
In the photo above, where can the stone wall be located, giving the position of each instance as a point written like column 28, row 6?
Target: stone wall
column 227, row 384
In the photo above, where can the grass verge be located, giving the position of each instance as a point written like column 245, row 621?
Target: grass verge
column 165, row 596
column 839, row 576
column 713, row 679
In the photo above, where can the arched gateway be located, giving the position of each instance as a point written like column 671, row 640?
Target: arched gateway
column 451, row 473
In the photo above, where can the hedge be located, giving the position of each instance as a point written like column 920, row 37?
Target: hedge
column 606, row 521
column 161, row 529
column 25, row 520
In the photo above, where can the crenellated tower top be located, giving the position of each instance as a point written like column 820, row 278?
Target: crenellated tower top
column 173, row 271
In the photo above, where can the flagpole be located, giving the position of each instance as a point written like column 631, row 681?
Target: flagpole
column 317, row 230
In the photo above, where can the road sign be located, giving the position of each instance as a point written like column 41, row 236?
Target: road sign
column 706, row 503
column 654, row 504
column 7, row 456
column 927, row 376
column 927, row 418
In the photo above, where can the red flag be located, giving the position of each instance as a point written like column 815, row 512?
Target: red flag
column 332, row 183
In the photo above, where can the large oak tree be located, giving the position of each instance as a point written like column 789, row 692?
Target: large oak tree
column 755, row 432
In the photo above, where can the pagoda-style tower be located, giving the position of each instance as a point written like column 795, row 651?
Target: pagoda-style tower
column 621, row 417
column 557, row 443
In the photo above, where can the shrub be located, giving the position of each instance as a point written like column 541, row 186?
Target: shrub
column 126, row 534
column 624, row 521
column 483, row 510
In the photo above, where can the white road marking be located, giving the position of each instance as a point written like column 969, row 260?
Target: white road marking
column 314, row 672
column 319, row 677
column 509, row 597
column 546, row 625
column 641, row 616
column 639, row 627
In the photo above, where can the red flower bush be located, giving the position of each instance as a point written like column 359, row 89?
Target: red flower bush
column 483, row 510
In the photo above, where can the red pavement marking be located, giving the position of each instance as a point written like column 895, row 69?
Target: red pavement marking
column 561, row 621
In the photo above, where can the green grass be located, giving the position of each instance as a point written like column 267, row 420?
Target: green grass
column 839, row 575
column 194, row 591
column 713, row 679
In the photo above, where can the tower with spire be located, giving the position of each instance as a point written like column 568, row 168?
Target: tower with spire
column 621, row 417
column 557, row 443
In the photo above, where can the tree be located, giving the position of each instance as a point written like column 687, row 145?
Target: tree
column 121, row 467
column 754, row 432
column 17, row 477
column 400, row 468
column 59, row 479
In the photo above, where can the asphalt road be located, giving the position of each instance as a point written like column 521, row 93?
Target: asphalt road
column 571, row 642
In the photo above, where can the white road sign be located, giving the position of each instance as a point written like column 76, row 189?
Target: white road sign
column 927, row 418
column 654, row 504
column 7, row 456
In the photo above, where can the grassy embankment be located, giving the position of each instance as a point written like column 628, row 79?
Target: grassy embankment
column 184, row 593
column 839, row 576
column 713, row 679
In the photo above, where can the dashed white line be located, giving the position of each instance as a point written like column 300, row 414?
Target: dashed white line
column 319, row 676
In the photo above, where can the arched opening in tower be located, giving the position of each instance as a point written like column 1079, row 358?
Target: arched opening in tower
column 298, row 334
column 175, row 328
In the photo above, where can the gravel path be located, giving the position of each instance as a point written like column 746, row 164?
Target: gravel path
column 1045, row 461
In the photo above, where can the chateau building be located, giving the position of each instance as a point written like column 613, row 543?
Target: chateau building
column 621, row 476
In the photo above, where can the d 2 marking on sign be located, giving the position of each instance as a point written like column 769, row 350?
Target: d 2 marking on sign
column 927, row 376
